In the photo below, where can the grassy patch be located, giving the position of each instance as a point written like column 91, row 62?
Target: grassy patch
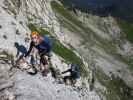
column 116, row 88
column 67, row 54
column 127, row 28
column 64, row 52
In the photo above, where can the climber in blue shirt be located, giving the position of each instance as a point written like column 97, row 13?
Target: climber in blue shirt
column 43, row 45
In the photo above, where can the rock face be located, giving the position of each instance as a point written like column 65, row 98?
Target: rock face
column 97, row 40
column 45, row 88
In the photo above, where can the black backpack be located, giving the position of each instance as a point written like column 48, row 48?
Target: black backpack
column 75, row 70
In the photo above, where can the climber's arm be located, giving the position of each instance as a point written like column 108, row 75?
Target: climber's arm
column 30, row 49
column 69, row 70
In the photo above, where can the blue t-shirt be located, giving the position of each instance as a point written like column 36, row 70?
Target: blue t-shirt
column 44, row 45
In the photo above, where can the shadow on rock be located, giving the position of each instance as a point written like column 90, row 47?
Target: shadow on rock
column 21, row 50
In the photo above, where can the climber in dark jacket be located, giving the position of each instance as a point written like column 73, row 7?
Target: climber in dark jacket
column 43, row 45
column 74, row 74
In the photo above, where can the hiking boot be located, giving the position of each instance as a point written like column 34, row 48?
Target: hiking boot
column 45, row 72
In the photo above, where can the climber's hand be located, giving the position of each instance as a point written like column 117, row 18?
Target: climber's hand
column 24, row 58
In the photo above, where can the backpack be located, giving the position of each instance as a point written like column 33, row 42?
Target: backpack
column 75, row 70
